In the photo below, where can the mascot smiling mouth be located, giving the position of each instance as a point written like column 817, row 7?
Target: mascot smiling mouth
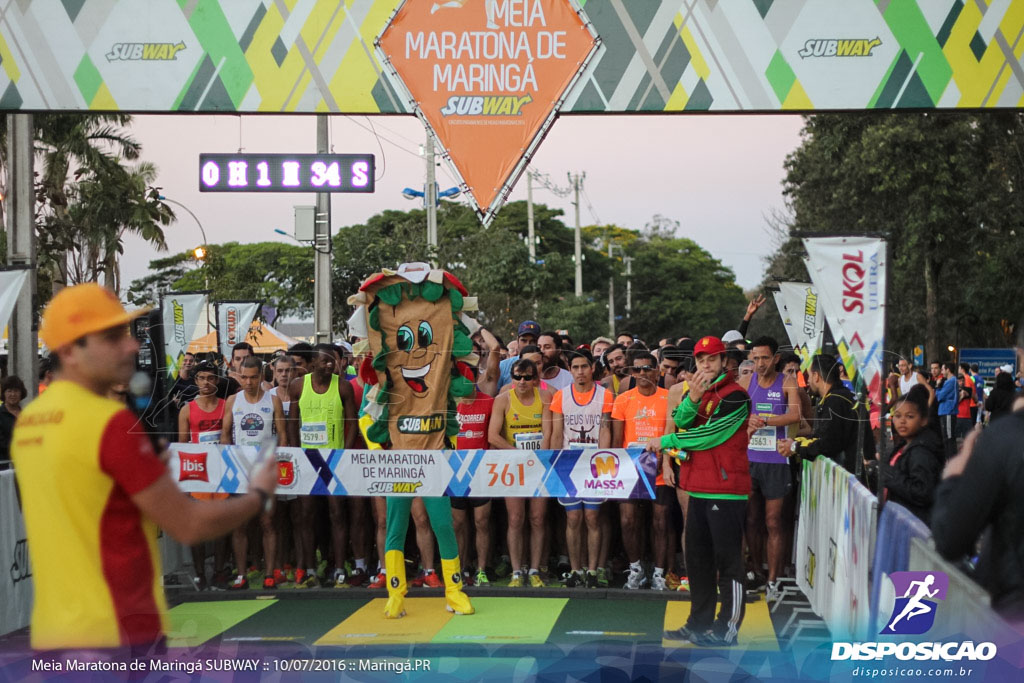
column 415, row 378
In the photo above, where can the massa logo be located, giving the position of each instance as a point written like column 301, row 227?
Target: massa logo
column 604, row 465
column 839, row 47
column 604, row 472
column 192, row 466
column 144, row 52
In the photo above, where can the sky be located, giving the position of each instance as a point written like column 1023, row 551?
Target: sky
column 719, row 176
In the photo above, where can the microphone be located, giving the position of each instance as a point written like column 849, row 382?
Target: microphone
column 140, row 386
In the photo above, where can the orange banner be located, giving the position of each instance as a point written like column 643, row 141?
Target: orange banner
column 487, row 77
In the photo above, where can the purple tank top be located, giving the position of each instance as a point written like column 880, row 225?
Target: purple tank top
column 767, row 401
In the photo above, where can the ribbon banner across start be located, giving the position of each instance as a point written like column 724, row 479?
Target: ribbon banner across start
column 614, row 473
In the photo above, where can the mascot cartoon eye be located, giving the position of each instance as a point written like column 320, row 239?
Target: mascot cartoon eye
column 405, row 338
column 426, row 334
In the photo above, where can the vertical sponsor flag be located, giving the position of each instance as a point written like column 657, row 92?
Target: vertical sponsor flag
column 787, row 318
column 849, row 274
column 182, row 313
column 233, row 321
column 11, row 282
column 806, row 326
column 487, row 78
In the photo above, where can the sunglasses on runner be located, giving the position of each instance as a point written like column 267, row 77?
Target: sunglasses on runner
column 643, row 368
column 528, row 378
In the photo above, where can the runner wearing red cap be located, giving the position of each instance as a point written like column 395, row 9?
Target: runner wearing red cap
column 715, row 472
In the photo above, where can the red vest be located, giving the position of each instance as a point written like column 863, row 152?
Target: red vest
column 724, row 468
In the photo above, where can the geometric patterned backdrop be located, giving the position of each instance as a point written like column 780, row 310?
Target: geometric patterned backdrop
column 669, row 56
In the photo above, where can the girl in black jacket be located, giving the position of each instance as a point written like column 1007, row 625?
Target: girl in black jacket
column 915, row 467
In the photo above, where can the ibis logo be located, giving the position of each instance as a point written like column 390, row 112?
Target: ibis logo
column 192, row 466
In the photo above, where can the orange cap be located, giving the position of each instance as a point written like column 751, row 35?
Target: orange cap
column 81, row 310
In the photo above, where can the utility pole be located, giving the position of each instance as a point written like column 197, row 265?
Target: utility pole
column 430, row 195
column 322, row 247
column 577, row 182
column 21, row 249
column 531, row 240
column 629, row 286
column 611, row 294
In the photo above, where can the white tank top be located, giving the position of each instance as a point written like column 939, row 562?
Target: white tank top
column 251, row 422
column 581, row 424
column 285, row 405
column 908, row 384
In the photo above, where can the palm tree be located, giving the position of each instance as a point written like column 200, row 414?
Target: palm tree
column 87, row 198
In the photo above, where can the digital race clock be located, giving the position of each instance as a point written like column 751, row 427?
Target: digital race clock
column 286, row 173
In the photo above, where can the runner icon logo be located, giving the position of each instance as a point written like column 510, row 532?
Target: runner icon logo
column 916, row 593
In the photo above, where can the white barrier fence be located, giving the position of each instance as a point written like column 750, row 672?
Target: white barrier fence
column 16, row 580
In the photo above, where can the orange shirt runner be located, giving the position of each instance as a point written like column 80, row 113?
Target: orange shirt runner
column 643, row 417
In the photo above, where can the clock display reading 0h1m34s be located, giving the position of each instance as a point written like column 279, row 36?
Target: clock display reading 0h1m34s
column 286, row 173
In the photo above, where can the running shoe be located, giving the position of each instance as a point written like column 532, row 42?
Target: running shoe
column 684, row 584
column 309, row 579
column 572, row 579
column 269, row 583
column 199, row 582
column 239, row 584
column 357, row 577
column 672, row 581
column 300, row 576
column 682, row 633
column 339, row 579
column 417, row 581
column 636, row 579
column 504, row 568
column 658, row 583
column 711, row 639
column 516, row 581
column 481, row 578
column 602, row 577
column 536, row 581
column 432, row 580
column 467, row 579
column 280, row 578
column 773, row 592
column 591, row 579
column 379, row 581
column 253, row 574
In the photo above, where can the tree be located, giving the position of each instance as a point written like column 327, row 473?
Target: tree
column 276, row 274
column 944, row 188
column 87, row 198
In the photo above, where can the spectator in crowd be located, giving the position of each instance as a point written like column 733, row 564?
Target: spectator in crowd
column 184, row 387
column 915, row 463
column 46, row 373
column 946, row 396
column 1000, row 400
column 13, row 392
column 835, row 420
column 980, row 490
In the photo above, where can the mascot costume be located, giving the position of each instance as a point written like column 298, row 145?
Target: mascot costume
column 421, row 358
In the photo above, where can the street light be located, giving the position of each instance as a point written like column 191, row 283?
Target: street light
column 199, row 253
column 450, row 193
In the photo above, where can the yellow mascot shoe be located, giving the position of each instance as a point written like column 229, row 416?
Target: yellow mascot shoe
column 394, row 565
column 457, row 601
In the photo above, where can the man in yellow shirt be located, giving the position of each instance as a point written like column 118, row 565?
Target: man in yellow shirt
column 93, row 490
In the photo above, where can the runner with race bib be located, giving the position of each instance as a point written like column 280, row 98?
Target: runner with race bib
column 521, row 420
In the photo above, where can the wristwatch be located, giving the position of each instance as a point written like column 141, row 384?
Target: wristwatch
column 792, row 448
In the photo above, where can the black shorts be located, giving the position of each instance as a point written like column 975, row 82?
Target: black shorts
column 665, row 495
column 468, row 503
column 773, row 480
